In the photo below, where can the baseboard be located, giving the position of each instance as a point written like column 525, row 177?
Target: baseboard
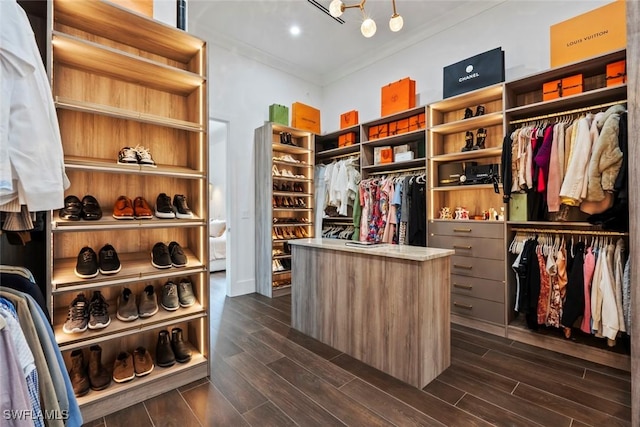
column 242, row 287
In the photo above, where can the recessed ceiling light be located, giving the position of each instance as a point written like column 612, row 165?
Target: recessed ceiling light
column 294, row 30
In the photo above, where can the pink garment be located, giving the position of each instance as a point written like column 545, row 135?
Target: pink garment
column 390, row 214
column 589, row 268
column 556, row 162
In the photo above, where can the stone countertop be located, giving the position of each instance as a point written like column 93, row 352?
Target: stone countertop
column 412, row 253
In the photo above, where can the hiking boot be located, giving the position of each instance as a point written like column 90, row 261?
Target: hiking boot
column 180, row 348
column 98, row 314
column 87, row 264
column 180, row 204
column 160, row 257
column 170, row 300
column 164, row 209
column 142, row 362
column 127, row 308
column 78, row 317
column 123, row 368
column 144, row 156
column 98, row 376
column 164, row 352
column 141, row 209
column 128, row 156
column 178, row 258
column 123, row 208
column 185, row 293
column 109, row 261
column 78, row 374
column 148, row 302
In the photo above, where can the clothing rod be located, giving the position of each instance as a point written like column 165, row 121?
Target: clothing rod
column 556, row 231
column 417, row 168
column 565, row 113
column 340, row 156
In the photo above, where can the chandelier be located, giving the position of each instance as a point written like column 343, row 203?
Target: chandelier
column 368, row 27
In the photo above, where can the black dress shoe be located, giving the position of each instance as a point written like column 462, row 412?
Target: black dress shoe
column 468, row 113
column 164, row 353
column 72, row 209
column 91, row 210
column 180, row 348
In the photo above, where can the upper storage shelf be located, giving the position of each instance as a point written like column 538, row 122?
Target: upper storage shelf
column 111, row 21
column 124, row 66
column 469, row 99
column 524, row 97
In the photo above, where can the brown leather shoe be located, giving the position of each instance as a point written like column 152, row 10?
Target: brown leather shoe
column 78, row 374
column 123, row 368
column 142, row 362
column 123, row 208
column 141, row 209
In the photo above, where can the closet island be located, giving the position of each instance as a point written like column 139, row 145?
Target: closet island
column 386, row 305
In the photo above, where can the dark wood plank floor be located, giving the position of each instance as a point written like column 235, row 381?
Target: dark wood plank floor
column 265, row 374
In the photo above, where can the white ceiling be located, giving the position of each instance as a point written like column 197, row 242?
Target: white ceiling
column 325, row 50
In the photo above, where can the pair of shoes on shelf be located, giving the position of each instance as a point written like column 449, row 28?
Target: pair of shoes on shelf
column 170, row 350
column 285, row 138
column 85, row 314
column 480, row 139
column 88, row 264
column 163, row 256
column 137, row 155
column 179, row 209
column 75, row 209
column 276, row 265
column 281, row 283
column 287, row 158
column 129, row 310
column 88, row 376
column 124, row 208
column 176, row 296
column 127, row 366
column 468, row 112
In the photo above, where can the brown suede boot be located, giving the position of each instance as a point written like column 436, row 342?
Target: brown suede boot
column 78, row 374
column 98, row 375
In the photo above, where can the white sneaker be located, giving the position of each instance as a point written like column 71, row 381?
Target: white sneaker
column 144, row 156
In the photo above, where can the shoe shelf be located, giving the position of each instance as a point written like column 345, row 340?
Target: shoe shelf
column 467, row 155
column 121, row 395
column 290, row 149
column 108, row 222
column 469, row 99
column 135, row 267
column 282, row 256
column 409, row 164
column 293, row 224
column 485, row 120
column 403, row 138
column 111, row 166
column 120, row 113
column 291, row 178
column 116, row 23
column 291, row 194
column 292, row 164
column 118, row 329
column 292, row 210
column 124, row 66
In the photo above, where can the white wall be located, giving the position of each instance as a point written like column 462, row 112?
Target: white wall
column 241, row 91
column 165, row 11
column 520, row 27
column 218, row 133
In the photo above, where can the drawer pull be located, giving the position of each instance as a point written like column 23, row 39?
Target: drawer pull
column 466, row 267
column 465, row 306
column 462, row 230
column 461, row 247
column 456, row 285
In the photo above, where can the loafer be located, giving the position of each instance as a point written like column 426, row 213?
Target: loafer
column 72, row 209
column 91, row 210
column 141, row 209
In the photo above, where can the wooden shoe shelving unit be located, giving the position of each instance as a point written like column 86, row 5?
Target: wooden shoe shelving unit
column 121, row 79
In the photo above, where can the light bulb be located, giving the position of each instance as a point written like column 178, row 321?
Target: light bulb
column 396, row 22
column 335, row 8
column 368, row 27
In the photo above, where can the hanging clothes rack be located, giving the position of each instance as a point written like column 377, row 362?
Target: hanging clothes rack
column 340, row 156
column 566, row 113
column 397, row 172
column 576, row 232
